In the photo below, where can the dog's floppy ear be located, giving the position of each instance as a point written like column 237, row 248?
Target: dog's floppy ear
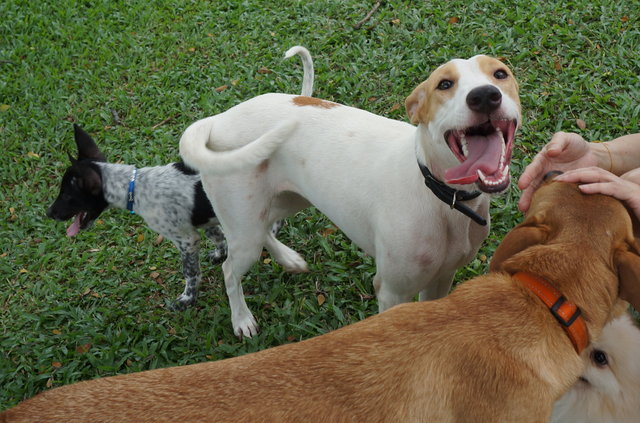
column 412, row 104
column 519, row 239
column 628, row 264
column 87, row 148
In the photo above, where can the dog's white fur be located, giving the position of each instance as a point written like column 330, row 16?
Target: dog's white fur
column 271, row 156
column 606, row 393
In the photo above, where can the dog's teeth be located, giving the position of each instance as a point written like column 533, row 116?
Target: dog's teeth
column 465, row 146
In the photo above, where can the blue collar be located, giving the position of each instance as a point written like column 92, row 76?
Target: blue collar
column 131, row 192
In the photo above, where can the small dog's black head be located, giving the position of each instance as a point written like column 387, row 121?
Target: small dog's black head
column 81, row 193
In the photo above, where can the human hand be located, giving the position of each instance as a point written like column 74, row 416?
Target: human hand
column 564, row 152
column 594, row 180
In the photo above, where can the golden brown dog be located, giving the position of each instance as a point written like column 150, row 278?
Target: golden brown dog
column 489, row 352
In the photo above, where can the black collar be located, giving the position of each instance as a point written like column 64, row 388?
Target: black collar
column 451, row 196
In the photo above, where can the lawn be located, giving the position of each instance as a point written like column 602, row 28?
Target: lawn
column 135, row 74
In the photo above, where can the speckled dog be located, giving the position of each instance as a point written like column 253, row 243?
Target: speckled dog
column 169, row 198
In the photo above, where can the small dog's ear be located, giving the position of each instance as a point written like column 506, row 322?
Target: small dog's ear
column 87, row 148
column 628, row 263
column 414, row 103
column 519, row 239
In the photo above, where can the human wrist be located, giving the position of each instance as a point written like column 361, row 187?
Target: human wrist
column 603, row 155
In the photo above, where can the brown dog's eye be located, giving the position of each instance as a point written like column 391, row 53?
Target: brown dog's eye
column 445, row 84
column 599, row 358
column 500, row 74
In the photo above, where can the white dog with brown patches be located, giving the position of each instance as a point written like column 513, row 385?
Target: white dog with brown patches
column 275, row 154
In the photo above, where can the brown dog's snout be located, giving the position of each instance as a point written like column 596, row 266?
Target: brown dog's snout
column 484, row 99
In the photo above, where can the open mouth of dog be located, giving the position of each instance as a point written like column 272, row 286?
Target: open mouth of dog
column 484, row 152
column 80, row 221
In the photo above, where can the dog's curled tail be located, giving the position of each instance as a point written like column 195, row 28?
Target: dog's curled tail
column 307, row 68
column 195, row 153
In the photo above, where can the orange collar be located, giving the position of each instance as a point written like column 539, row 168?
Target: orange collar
column 566, row 312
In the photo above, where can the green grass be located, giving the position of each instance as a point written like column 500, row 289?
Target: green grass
column 75, row 309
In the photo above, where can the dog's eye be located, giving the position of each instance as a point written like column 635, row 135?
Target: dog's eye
column 500, row 74
column 445, row 84
column 599, row 358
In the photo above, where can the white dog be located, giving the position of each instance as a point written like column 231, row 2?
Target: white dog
column 609, row 390
column 273, row 155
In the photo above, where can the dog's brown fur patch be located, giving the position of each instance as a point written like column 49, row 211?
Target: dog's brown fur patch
column 303, row 100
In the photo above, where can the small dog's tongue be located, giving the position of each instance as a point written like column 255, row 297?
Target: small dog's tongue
column 75, row 226
column 484, row 154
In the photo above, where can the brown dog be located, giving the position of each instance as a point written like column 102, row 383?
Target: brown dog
column 489, row 352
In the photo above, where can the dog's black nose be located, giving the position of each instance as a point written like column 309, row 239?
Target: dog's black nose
column 484, row 99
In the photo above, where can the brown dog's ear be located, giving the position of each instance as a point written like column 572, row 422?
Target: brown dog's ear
column 413, row 103
column 628, row 263
column 519, row 239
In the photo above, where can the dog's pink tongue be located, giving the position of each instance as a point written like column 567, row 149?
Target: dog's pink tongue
column 484, row 154
column 75, row 226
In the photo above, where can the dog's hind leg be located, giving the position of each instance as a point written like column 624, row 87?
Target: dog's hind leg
column 215, row 234
column 285, row 256
column 189, row 252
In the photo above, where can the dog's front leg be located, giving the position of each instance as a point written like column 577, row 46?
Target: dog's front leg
column 189, row 252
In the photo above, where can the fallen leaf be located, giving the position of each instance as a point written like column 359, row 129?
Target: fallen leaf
column 321, row 299
column 372, row 99
column 235, row 82
column 394, row 107
column 95, row 294
column 192, row 49
column 624, row 18
column 49, row 382
column 86, row 292
column 158, row 240
column 266, row 261
column 23, row 270
column 483, row 258
column 453, row 20
column 153, row 268
column 264, row 70
column 56, row 332
column 221, row 88
column 395, row 21
column 291, row 338
column 557, row 65
column 4, row 107
column 172, row 331
column 140, row 238
column 209, row 357
column 581, row 123
column 328, row 231
column 129, row 363
column 82, row 349
column 154, row 275
column 56, row 364
column 34, row 155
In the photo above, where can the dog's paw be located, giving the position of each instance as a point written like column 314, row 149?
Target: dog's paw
column 183, row 302
column 245, row 326
column 294, row 263
column 218, row 255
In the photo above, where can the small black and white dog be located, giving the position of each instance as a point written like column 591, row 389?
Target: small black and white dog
column 169, row 198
